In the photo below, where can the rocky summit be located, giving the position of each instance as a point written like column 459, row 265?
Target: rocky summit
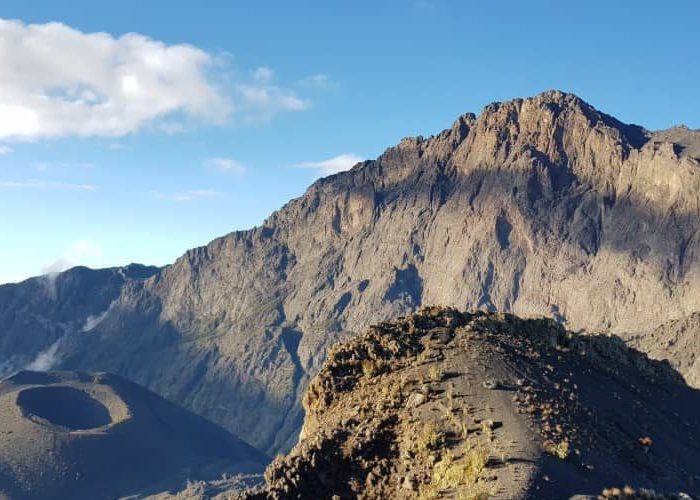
column 444, row 404
column 542, row 206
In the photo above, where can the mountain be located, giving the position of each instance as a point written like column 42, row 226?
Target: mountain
column 38, row 313
column 538, row 206
column 444, row 404
column 88, row 436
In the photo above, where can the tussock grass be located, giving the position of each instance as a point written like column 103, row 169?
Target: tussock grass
column 435, row 373
column 431, row 438
column 371, row 368
column 462, row 476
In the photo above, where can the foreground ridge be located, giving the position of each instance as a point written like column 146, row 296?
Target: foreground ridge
column 444, row 404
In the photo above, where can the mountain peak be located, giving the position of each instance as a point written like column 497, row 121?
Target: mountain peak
column 554, row 125
column 547, row 98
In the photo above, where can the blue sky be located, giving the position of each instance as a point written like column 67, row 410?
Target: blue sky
column 117, row 148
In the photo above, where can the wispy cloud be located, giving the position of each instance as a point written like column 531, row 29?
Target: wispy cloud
column 81, row 252
column 424, row 6
column 259, row 103
column 47, row 185
column 319, row 81
column 333, row 165
column 189, row 195
column 263, row 74
column 45, row 359
column 226, row 165
column 49, row 166
column 5, row 150
column 57, row 81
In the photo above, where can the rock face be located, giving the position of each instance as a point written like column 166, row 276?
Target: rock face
column 677, row 340
column 443, row 404
column 538, row 206
column 87, row 436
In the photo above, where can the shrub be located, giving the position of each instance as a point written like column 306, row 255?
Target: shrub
column 560, row 449
column 463, row 476
column 476, row 461
column 371, row 367
column 487, row 429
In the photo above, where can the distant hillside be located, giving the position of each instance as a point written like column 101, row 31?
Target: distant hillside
column 97, row 436
column 538, row 206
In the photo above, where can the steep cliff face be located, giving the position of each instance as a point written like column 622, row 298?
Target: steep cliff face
column 677, row 340
column 539, row 206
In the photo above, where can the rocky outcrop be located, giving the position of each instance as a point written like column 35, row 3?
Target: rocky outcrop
column 443, row 404
column 538, row 206
column 87, row 436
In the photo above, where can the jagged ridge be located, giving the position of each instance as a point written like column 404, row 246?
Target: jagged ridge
column 539, row 206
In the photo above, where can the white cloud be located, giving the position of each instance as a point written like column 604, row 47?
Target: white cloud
column 46, row 166
column 93, row 321
column 47, row 185
column 263, row 74
column 333, row 165
column 319, row 80
column 5, row 150
column 260, row 100
column 56, row 81
column 57, row 266
column 424, row 6
column 226, row 165
column 189, row 195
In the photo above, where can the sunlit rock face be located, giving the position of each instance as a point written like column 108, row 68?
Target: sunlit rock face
column 538, row 206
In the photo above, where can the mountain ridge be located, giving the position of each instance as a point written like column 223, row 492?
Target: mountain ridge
column 538, row 206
